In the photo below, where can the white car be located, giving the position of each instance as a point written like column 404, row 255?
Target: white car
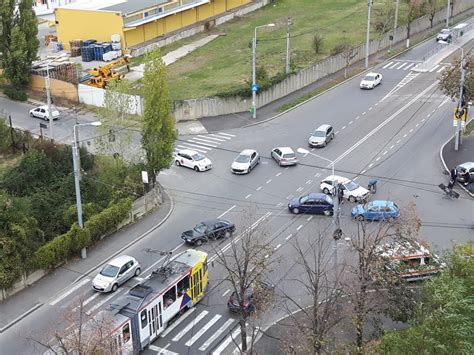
column 42, row 112
column 245, row 161
column 284, row 156
column 116, row 272
column 371, row 80
column 192, row 159
column 351, row 190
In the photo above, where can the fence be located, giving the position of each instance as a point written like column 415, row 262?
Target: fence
column 96, row 97
column 214, row 106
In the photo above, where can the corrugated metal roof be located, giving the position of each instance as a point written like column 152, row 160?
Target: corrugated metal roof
column 131, row 6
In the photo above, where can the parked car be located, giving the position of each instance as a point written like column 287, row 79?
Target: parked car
column 445, row 35
column 248, row 306
column 192, row 159
column 115, row 273
column 318, row 203
column 462, row 168
column 351, row 190
column 376, row 211
column 245, row 162
column 371, row 80
column 321, row 136
column 212, row 229
column 284, row 156
column 43, row 113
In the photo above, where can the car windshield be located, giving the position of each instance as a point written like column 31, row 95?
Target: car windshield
column 351, row 185
column 242, row 158
column 198, row 156
column 200, row 228
column 109, row 271
column 289, row 155
column 445, row 31
column 369, row 78
column 304, row 199
column 319, row 134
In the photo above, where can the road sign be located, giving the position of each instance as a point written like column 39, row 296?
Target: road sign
column 462, row 115
column 43, row 125
column 254, row 87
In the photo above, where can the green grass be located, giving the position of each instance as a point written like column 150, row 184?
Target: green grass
column 225, row 63
column 469, row 128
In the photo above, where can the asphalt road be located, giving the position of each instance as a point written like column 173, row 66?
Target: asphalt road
column 393, row 132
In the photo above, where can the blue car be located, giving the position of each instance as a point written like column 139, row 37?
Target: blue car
column 376, row 211
column 317, row 202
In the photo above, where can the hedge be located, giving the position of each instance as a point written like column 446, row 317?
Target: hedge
column 61, row 248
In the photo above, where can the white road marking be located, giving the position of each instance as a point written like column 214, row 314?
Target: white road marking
column 289, row 197
column 411, row 130
column 196, row 149
column 90, row 299
column 376, row 103
column 417, row 125
column 384, row 153
column 405, row 135
column 227, row 341
column 212, row 138
column 317, row 174
column 299, row 227
column 434, row 68
column 357, row 117
column 196, row 145
column 398, row 141
column 423, row 119
column 230, row 209
column 363, row 113
column 216, row 334
column 393, row 66
column 248, row 196
column 191, row 325
column 225, row 293
column 289, row 236
column 99, row 304
column 299, row 189
column 351, row 122
column 401, row 66
column 337, row 132
column 276, row 248
column 203, row 330
column 378, row 158
column 391, row 147
column 309, row 182
column 343, row 127
column 269, row 181
column 161, row 351
column 363, row 171
column 278, row 174
column 177, row 322
column 71, row 290
column 279, row 204
column 226, row 134
column 203, row 142
column 370, row 108
column 409, row 66
column 441, row 69
column 215, row 135
column 387, row 65
column 371, row 165
column 309, row 218
column 259, row 188
column 267, row 256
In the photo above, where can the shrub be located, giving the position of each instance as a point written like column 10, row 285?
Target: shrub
column 339, row 49
column 15, row 94
column 317, row 43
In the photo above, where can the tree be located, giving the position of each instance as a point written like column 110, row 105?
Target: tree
column 314, row 323
column 384, row 19
column 317, row 43
column 246, row 263
column 349, row 53
column 158, row 123
column 450, row 80
column 415, row 10
column 430, row 8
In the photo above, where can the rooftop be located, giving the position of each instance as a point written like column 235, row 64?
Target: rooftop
column 122, row 6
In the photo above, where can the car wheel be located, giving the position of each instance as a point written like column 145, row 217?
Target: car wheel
column 249, row 169
column 31, row 114
column 279, row 162
column 258, row 160
column 198, row 242
column 328, row 213
column 137, row 271
column 177, row 163
column 352, row 199
column 114, row 287
column 324, row 144
column 227, row 234
column 326, row 191
column 196, row 168
column 390, row 219
column 295, row 210
column 360, row 217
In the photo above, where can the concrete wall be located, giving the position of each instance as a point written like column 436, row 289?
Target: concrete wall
column 214, row 106
column 95, row 96
column 59, row 88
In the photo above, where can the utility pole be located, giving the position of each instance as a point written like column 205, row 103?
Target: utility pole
column 254, row 75
column 75, row 161
column 396, row 16
column 287, row 68
column 448, row 10
column 335, row 219
column 369, row 4
column 457, row 137
column 48, row 98
column 12, row 134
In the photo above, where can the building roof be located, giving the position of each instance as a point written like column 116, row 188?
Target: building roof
column 131, row 6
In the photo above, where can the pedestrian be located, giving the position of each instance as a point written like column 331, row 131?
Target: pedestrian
column 453, row 174
column 372, row 185
column 466, row 177
column 340, row 194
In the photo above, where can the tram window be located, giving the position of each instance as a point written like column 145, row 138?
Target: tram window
column 169, row 297
column 183, row 285
column 126, row 333
column 144, row 319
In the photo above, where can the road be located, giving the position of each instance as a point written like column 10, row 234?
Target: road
column 392, row 132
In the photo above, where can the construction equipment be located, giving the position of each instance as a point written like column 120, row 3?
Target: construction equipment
column 112, row 71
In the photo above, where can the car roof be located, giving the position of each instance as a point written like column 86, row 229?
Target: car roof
column 372, row 74
column 213, row 221
column 247, row 152
column 188, row 151
column 318, row 195
column 285, row 149
column 337, row 178
column 467, row 165
column 323, row 127
column 382, row 203
column 446, row 30
column 120, row 260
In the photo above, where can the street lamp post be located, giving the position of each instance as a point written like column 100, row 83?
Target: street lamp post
column 369, row 4
column 76, row 159
column 254, row 69
column 335, row 216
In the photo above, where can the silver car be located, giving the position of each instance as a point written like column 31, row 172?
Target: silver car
column 245, row 161
column 116, row 272
column 321, row 136
column 284, row 156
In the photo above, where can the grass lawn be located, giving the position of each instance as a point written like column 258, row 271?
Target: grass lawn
column 225, row 63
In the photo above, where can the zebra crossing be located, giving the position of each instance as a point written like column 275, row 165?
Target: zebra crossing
column 409, row 65
column 203, row 143
column 205, row 332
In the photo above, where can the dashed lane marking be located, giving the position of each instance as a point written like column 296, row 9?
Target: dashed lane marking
column 278, row 246
column 225, row 293
column 259, row 188
column 299, row 189
column 248, row 196
column 74, row 288
column 278, row 174
column 230, row 209
column 309, row 218
column 269, row 181
column 343, row 127
column 299, row 227
column 289, row 236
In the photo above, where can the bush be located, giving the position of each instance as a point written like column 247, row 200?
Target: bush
column 339, row 49
column 15, row 94
column 317, row 43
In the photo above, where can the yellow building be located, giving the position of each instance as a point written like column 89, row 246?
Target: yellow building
column 136, row 21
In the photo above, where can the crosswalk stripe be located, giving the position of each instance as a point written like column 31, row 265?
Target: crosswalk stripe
column 212, row 138
column 227, row 341
column 409, row 66
column 441, row 69
column 190, row 325
column 190, row 146
column 216, row 334
column 198, row 142
column 203, row 141
column 433, row 69
column 401, row 66
column 177, row 322
column 394, row 65
column 161, row 350
column 227, row 134
column 258, row 335
column 203, row 330
column 387, row 65
column 215, row 135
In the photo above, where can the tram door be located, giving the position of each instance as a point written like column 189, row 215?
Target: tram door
column 196, row 286
column 155, row 320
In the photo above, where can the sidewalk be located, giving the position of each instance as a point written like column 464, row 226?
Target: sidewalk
column 18, row 306
column 451, row 158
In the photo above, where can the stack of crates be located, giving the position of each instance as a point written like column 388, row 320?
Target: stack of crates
column 87, row 53
column 75, row 45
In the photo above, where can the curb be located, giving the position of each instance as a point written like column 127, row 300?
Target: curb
column 34, row 308
column 446, row 167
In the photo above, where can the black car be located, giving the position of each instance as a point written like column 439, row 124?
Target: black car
column 212, row 229
column 248, row 306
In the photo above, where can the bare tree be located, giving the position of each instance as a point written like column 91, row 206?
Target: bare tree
column 247, row 261
column 384, row 18
column 430, row 8
column 349, row 53
column 415, row 10
column 314, row 322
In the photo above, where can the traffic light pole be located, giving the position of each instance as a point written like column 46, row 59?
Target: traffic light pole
column 458, row 135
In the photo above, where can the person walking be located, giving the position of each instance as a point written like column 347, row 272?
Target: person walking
column 340, row 194
column 372, row 185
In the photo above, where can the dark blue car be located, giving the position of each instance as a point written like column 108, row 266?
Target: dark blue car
column 316, row 202
column 376, row 211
